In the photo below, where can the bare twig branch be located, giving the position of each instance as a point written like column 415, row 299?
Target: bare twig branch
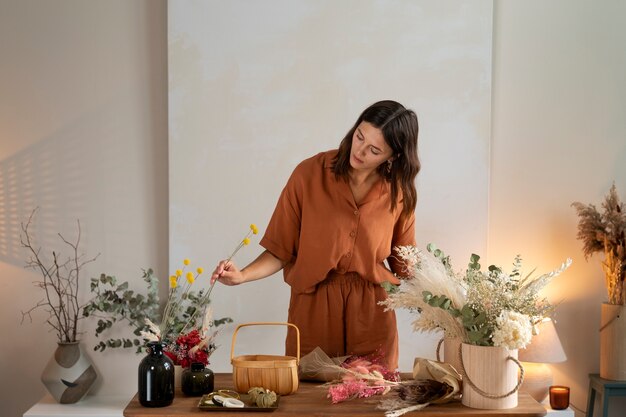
column 60, row 282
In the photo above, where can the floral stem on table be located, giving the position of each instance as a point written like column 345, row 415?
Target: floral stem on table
column 407, row 409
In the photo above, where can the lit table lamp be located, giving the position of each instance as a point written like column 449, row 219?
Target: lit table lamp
column 544, row 347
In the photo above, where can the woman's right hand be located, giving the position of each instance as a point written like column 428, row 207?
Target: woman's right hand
column 227, row 273
column 263, row 266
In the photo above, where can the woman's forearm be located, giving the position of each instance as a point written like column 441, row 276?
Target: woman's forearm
column 263, row 266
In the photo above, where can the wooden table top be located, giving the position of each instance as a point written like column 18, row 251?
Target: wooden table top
column 310, row 399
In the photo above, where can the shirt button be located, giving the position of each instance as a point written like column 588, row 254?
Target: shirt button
column 356, row 212
column 352, row 233
column 348, row 255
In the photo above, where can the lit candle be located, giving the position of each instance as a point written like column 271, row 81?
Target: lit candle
column 559, row 397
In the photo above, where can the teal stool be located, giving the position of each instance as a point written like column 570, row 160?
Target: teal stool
column 607, row 389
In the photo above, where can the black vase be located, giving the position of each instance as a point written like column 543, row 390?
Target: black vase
column 197, row 380
column 156, row 378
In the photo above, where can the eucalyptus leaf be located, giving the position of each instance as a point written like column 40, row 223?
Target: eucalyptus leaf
column 389, row 287
column 481, row 318
column 474, row 336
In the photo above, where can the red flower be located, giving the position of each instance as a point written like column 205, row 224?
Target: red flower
column 180, row 351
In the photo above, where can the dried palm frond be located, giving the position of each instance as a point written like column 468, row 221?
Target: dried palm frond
column 423, row 391
column 534, row 285
column 207, row 322
column 414, row 395
column 153, row 329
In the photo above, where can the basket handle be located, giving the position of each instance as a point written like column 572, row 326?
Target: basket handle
column 439, row 349
column 267, row 323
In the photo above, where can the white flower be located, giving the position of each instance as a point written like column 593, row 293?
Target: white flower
column 513, row 330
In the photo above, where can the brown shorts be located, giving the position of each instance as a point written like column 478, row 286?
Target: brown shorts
column 342, row 317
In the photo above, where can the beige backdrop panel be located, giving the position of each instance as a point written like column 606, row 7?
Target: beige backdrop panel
column 255, row 87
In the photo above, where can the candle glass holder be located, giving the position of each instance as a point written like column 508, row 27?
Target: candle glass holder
column 559, row 397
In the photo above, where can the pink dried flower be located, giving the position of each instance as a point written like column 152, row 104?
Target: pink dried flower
column 363, row 378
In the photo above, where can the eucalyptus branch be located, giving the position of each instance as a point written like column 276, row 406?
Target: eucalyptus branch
column 115, row 303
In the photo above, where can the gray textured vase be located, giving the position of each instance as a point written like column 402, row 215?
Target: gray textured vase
column 69, row 374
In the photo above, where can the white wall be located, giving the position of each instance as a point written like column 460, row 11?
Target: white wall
column 85, row 84
column 83, row 134
column 559, row 135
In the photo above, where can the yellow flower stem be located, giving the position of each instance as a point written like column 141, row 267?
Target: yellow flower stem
column 206, row 297
column 166, row 313
column 203, row 302
column 241, row 245
column 170, row 298
column 172, row 306
column 190, row 320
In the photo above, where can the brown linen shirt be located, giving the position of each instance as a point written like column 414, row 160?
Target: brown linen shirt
column 317, row 228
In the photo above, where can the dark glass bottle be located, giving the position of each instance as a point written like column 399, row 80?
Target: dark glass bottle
column 197, row 380
column 156, row 378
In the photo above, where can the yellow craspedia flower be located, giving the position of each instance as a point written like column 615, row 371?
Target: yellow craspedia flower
column 173, row 283
column 190, row 278
column 179, row 272
column 246, row 241
column 254, row 229
column 200, row 270
column 186, row 261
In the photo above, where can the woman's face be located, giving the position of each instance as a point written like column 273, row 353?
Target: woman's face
column 369, row 148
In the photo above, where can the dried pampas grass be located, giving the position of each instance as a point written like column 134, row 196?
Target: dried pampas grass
column 428, row 273
column 605, row 232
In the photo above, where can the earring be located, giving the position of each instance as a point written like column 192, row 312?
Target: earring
column 389, row 163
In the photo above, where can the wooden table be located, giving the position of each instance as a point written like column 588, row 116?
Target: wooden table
column 310, row 399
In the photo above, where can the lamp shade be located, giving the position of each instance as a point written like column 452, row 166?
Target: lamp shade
column 545, row 347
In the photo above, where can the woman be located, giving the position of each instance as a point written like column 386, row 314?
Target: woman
column 335, row 223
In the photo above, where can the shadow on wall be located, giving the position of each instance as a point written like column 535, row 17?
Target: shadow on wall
column 60, row 174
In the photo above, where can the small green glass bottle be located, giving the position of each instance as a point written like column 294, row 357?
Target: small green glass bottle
column 197, row 380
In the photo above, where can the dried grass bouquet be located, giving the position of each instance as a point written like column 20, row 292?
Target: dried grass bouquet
column 486, row 308
column 604, row 232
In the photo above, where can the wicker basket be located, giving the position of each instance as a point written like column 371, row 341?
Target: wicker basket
column 273, row 372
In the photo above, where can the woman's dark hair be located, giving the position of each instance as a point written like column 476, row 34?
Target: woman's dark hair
column 399, row 128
